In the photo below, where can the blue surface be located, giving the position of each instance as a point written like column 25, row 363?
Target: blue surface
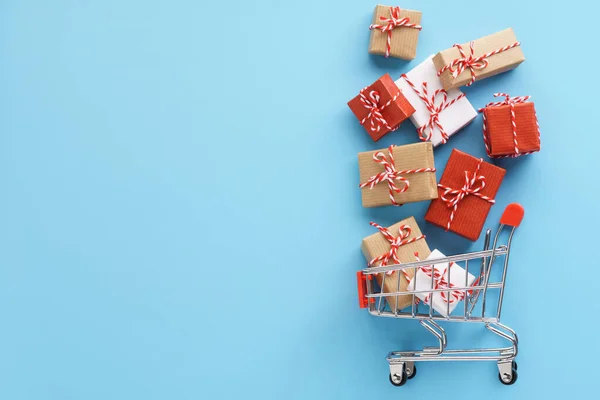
column 180, row 217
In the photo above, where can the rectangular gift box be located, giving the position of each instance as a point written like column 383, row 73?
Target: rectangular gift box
column 403, row 40
column 497, row 63
column 375, row 245
column 392, row 106
column 455, row 115
column 421, row 185
column 498, row 130
column 468, row 218
column 442, row 302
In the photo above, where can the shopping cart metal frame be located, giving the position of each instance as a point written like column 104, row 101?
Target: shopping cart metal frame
column 402, row 363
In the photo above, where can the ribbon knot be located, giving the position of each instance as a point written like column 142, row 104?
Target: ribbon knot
column 391, row 174
column 374, row 115
column 391, row 23
column 507, row 100
column 404, row 232
column 467, row 62
column 435, row 104
column 440, row 282
column 511, row 102
column 470, row 62
column 473, row 186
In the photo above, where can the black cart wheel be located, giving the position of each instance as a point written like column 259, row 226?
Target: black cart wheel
column 414, row 372
column 397, row 380
column 514, row 365
column 512, row 380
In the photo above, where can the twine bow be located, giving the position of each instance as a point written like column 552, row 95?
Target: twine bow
column 508, row 101
column 470, row 62
column 389, row 24
column 440, row 282
column 404, row 232
column 375, row 116
column 391, row 174
column 473, row 186
column 426, row 131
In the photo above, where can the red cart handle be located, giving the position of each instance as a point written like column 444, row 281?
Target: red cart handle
column 513, row 215
column 361, row 279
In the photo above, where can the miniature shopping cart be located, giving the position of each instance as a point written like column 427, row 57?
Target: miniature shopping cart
column 478, row 306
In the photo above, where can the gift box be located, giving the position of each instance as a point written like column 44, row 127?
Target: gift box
column 436, row 277
column 510, row 127
column 395, row 32
column 490, row 55
column 438, row 114
column 397, row 175
column 466, row 193
column 381, row 107
column 391, row 246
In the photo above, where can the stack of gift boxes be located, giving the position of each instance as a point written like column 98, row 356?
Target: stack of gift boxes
column 429, row 96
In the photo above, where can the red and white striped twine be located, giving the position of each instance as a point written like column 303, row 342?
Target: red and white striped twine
column 402, row 239
column 390, row 174
column 509, row 101
column 474, row 184
column 375, row 116
column 389, row 24
column 407, row 276
column 426, row 131
column 439, row 278
column 439, row 283
column 459, row 65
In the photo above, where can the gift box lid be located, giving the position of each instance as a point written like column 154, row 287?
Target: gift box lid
column 499, row 129
column 472, row 211
column 452, row 118
column 415, row 156
column 394, row 113
column 497, row 63
column 403, row 40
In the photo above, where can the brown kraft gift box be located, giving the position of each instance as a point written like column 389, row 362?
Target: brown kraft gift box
column 469, row 216
column 404, row 39
column 501, row 62
column 376, row 245
column 422, row 185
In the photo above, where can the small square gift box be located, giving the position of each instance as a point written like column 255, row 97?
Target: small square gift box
column 466, row 194
column 441, row 276
column 438, row 114
column 395, row 32
column 391, row 246
column 510, row 127
column 490, row 55
column 381, row 107
column 397, row 175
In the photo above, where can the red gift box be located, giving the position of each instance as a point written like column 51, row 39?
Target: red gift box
column 381, row 107
column 510, row 127
column 466, row 193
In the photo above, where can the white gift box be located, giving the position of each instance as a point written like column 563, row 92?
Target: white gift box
column 439, row 299
column 451, row 118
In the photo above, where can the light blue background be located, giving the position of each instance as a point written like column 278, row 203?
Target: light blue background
column 180, row 217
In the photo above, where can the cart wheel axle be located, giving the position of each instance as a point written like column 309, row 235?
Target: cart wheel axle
column 398, row 377
column 411, row 373
column 398, row 380
column 508, row 379
column 507, row 372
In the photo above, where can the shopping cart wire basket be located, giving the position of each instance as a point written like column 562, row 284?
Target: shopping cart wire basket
column 482, row 303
